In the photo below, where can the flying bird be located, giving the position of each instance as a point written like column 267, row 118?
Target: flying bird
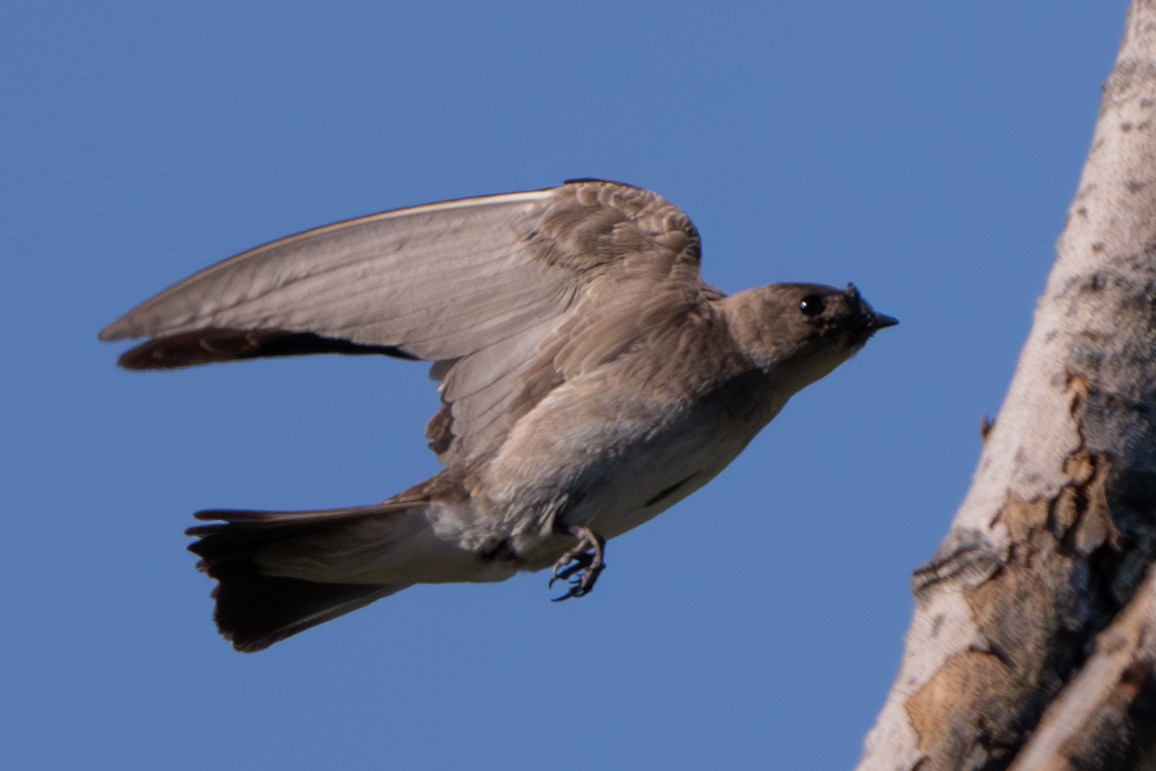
column 589, row 380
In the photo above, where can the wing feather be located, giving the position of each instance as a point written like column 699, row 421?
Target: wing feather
column 509, row 295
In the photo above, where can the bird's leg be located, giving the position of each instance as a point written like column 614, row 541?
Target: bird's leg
column 587, row 559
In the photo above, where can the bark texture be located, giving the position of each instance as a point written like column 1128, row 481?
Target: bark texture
column 1033, row 636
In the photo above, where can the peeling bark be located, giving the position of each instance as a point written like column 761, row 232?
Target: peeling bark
column 1035, row 623
column 1106, row 717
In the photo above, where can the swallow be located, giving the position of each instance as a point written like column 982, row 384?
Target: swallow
column 589, row 380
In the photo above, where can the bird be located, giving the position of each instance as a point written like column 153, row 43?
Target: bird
column 589, row 379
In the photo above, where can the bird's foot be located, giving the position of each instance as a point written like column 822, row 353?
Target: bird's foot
column 581, row 565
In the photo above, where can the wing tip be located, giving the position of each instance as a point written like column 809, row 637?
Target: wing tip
column 114, row 331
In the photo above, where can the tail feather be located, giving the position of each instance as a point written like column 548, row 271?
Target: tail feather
column 255, row 609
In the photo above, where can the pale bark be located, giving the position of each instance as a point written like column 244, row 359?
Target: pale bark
column 1034, row 635
column 1104, row 717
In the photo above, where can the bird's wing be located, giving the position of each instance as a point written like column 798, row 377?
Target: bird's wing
column 510, row 295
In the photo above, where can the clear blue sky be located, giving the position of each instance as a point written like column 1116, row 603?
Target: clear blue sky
column 928, row 153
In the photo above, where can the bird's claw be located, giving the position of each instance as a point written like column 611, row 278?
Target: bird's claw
column 582, row 575
column 581, row 565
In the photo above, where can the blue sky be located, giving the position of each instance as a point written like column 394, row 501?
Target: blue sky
column 926, row 152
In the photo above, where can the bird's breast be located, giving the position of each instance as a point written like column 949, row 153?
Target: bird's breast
column 613, row 457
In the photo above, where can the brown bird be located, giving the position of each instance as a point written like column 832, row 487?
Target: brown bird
column 589, row 380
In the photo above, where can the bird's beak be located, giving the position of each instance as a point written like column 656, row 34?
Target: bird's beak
column 881, row 321
column 875, row 321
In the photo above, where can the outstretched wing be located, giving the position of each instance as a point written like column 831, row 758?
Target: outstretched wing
column 510, row 295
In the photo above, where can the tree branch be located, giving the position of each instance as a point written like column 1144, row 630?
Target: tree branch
column 1058, row 531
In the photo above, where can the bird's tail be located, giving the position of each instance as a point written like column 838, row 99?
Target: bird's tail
column 281, row 573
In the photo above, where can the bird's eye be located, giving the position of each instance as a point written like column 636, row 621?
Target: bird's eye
column 811, row 305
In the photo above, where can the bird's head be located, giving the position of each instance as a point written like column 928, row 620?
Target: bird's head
column 798, row 333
